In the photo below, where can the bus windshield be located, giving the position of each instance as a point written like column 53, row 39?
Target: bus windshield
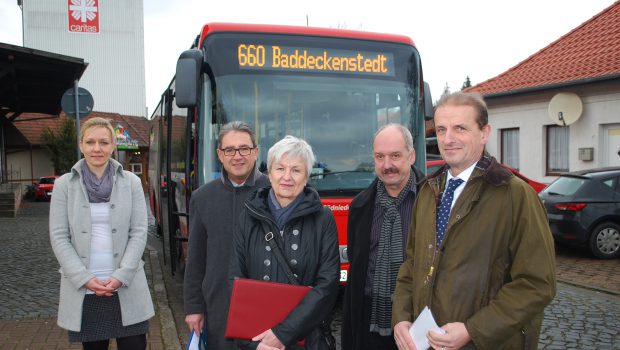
column 332, row 92
column 337, row 116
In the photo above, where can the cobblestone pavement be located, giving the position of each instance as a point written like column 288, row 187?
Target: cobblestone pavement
column 29, row 285
column 581, row 319
column 30, row 270
column 577, row 266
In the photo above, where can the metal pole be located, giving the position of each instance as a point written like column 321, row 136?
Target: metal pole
column 77, row 117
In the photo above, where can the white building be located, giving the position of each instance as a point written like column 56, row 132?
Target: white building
column 585, row 62
column 108, row 34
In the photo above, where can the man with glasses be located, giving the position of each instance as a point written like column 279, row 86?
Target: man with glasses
column 213, row 213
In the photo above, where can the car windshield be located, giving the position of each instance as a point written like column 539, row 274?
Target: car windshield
column 565, row 186
column 47, row 180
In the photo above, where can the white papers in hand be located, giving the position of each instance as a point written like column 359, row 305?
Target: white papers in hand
column 421, row 326
column 194, row 341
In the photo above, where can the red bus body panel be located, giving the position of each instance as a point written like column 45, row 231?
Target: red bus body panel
column 305, row 31
column 340, row 209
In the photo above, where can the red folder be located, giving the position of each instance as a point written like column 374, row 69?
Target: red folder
column 256, row 306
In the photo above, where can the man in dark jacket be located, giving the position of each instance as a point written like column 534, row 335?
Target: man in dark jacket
column 214, row 210
column 480, row 254
column 379, row 218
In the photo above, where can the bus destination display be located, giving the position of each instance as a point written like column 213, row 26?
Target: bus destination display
column 273, row 57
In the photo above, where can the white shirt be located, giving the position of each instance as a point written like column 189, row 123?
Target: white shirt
column 101, row 250
column 465, row 175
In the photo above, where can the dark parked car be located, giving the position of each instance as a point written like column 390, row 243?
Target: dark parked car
column 434, row 165
column 583, row 207
column 44, row 187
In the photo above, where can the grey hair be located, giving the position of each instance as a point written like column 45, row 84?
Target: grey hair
column 293, row 147
column 238, row 126
column 472, row 99
column 403, row 130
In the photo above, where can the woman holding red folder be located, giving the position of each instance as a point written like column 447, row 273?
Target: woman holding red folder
column 305, row 233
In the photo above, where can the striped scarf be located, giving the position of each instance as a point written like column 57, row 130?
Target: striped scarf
column 389, row 258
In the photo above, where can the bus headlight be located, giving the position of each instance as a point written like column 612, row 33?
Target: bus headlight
column 344, row 257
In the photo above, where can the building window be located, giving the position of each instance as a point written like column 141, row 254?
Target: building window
column 510, row 147
column 136, row 168
column 557, row 149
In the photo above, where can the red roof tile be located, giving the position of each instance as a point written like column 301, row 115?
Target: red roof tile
column 590, row 51
column 31, row 125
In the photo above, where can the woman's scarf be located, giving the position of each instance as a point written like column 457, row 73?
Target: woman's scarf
column 98, row 189
column 281, row 214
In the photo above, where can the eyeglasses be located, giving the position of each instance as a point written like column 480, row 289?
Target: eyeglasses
column 244, row 151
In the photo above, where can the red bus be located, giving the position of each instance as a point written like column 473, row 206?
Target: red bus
column 331, row 87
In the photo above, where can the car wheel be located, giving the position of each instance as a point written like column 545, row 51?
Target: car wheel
column 605, row 241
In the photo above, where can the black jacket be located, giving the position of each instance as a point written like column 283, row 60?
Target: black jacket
column 310, row 239
column 361, row 212
column 213, row 212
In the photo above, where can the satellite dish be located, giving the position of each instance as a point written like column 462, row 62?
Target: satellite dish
column 565, row 108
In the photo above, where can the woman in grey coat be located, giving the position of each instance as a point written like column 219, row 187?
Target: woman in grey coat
column 306, row 232
column 98, row 227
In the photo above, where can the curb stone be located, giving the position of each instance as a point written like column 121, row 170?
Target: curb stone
column 588, row 286
column 168, row 330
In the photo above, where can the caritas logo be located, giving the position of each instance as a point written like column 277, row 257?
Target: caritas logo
column 83, row 16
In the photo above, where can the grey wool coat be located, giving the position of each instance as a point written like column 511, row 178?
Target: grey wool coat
column 213, row 215
column 70, row 235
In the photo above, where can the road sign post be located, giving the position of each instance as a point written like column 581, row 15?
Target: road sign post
column 77, row 102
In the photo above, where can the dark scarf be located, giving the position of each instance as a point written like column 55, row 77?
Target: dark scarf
column 98, row 189
column 281, row 214
column 389, row 258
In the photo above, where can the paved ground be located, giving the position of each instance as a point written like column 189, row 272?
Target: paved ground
column 575, row 265
column 173, row 283
column 30, row 283
column 578, row 318
column 581, row 319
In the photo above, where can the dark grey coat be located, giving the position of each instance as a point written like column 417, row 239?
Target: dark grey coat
column 213, row 213
column 311, row 241
column 354, row 325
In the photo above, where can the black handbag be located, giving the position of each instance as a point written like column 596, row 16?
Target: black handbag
column 325, row 325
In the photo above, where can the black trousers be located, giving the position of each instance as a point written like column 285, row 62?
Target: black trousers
column 372, row 340
column 134, row 342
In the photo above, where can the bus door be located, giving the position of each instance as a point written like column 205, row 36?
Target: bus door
column 177, row 130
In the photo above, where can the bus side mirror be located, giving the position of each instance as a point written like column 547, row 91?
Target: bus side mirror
column 428, row 102
column 187, row 82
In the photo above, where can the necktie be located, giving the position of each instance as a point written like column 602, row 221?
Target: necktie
column 443, row 213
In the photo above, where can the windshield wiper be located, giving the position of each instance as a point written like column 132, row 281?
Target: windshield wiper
column 339, row 172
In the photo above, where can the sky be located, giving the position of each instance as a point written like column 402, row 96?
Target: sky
column 456, row 39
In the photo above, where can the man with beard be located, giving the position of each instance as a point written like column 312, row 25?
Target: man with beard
column 379, row 219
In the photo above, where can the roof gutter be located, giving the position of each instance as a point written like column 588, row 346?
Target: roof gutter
column 553, row 86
